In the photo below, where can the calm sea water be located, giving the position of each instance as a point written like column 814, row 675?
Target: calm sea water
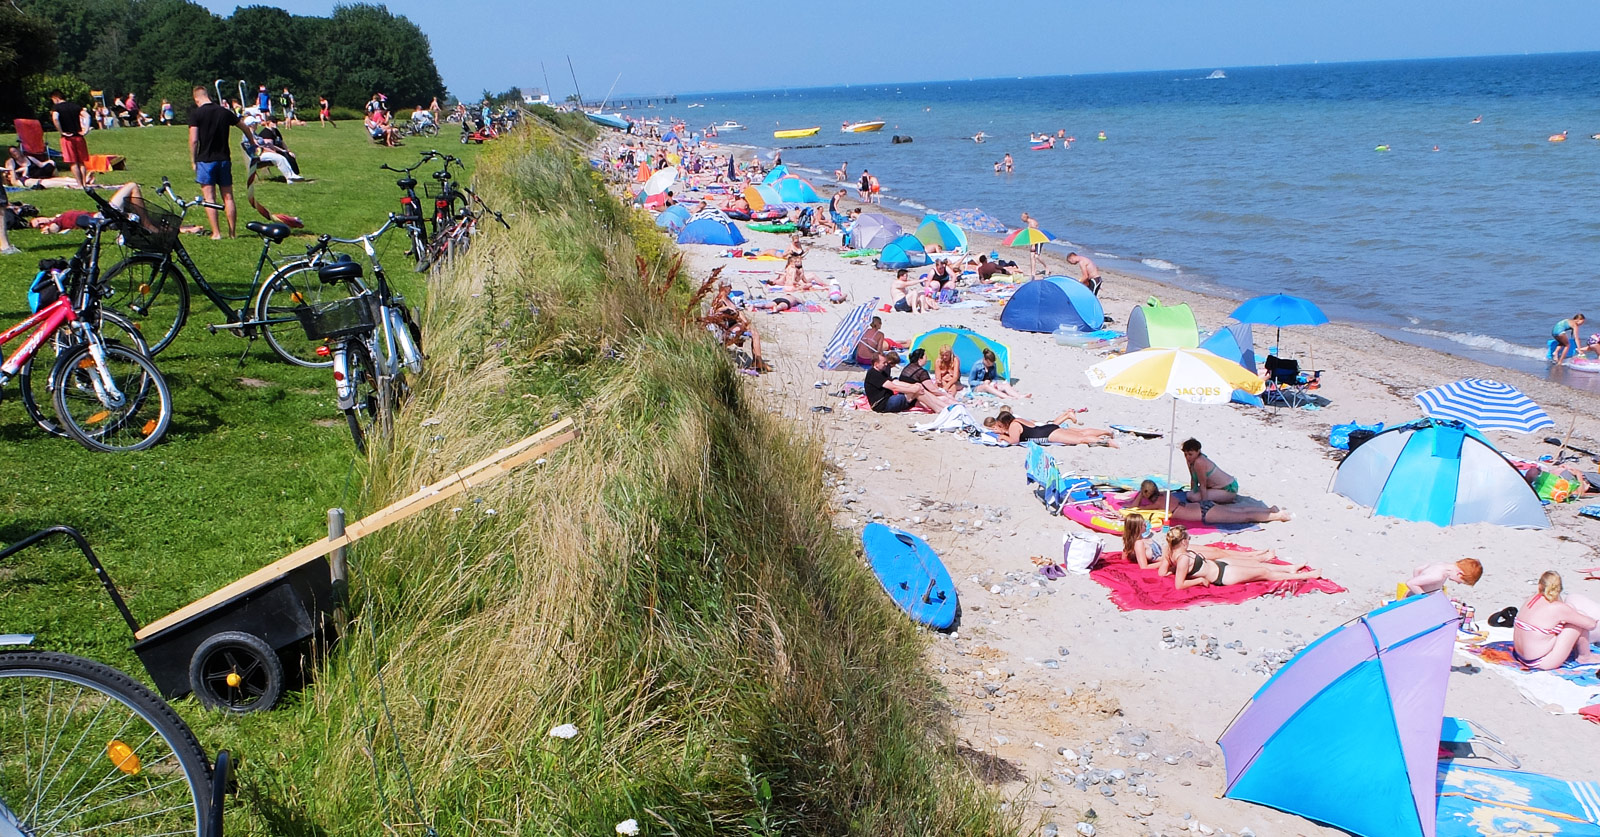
column 1267, row 180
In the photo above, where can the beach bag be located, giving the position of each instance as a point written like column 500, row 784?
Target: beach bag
column 44, row 289
column 1080, row 552
column 1339, row 434
column 1552, row 488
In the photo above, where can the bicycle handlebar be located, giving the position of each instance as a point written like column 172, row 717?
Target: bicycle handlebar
column 171, row 195
column 325, row 239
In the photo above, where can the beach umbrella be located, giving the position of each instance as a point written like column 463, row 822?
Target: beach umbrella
column 1279, row 310
column 778, row 172
column 937, row 232
column 871, row 231
column 1347, row 732
column 795, row 189
column 1441, row 472
column 1484, row 404
column 1027, row 237
column 975, row 220
column 1193, row 375
column 760, row 197
column 842, row 345
column 968, row 346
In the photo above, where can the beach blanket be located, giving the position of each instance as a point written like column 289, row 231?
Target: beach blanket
column 801, row 308
column 860, row 402
column 1135, row 589
column 1474, row 801
column 1104, row 515
column 1563, row 691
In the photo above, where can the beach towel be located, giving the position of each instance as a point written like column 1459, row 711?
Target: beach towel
column 952, row 418
column 800, row 308
column 1563, row 691
column 1104, row 515
column 1474, row 801
column 1135, row 589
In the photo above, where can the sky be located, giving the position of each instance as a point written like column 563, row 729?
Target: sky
column 717, row 45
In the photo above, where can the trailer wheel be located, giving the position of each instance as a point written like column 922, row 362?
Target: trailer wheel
column 236, row 672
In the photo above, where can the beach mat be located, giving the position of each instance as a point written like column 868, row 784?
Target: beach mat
column 1562, row 691
column 1102, row 516
column 1135, row 589
column 1474, row 801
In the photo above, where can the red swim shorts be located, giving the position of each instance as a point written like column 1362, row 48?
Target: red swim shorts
column 75, row 149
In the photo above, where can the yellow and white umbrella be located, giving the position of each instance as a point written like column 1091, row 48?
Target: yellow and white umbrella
column 1189, row 374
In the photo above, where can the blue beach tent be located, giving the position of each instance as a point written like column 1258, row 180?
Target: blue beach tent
column 778, row 172
column 1441, row 472
column 1045, row 305
column 704, row 230
column 905, row 251
column 1236, row 343
column 673, row 217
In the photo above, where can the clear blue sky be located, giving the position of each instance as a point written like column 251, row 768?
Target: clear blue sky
column 729, row 45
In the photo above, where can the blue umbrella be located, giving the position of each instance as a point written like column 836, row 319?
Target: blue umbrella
column 1280, row 310
column 976, row 220
column 1484, row 404
column 842, row 346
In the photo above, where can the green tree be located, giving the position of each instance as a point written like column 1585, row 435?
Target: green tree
column 27, row 48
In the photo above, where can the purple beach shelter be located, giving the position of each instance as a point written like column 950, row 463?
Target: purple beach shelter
column 1347, row 732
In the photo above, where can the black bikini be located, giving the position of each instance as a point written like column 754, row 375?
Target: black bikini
column 1038, row 431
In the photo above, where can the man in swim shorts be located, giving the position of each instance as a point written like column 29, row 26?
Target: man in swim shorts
column 1565, row 334
column 212, row 158
column 1091, row 273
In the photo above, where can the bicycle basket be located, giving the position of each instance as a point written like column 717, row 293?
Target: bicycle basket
column 333, row 320
column 146, row 226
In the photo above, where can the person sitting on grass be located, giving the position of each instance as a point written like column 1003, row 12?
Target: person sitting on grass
column 947, row 371
column 1016, row 431
column 1191, row 569
column 1140, row 544
column 1430, row 578
column 1552, row 629
column 985, row 377
column 1185, row 508
column 887, row 395
column 1206, row 480
column 21, row 168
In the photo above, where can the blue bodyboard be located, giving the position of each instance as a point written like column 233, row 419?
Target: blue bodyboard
column 912, row 574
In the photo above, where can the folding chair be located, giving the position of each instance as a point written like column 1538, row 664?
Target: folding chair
column 1457, row 737
column 1286, row 383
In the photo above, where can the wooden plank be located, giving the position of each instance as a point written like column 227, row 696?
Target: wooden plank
column 472, row 476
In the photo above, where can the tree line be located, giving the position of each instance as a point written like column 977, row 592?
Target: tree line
column 160, row 49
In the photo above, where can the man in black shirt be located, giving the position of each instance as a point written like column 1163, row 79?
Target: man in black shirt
column 68, row 117
column 212, row 158
column 887, row 395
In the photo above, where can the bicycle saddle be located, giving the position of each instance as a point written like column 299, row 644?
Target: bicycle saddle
column 441, row 175
column 275, row 233
column 406, row 183
column 340, row 271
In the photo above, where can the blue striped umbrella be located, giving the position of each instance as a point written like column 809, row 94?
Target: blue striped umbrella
column 842, row 346
column 1485, row 405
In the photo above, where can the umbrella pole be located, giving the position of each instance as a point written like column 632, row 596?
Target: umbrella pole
column 1172, row 447
column 1567, row 439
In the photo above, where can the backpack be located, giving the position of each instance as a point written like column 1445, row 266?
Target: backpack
column 45, row 289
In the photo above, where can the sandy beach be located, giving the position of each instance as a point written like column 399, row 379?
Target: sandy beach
column 1082, row 712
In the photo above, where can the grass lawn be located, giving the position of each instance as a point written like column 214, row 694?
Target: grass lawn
column 257, row 450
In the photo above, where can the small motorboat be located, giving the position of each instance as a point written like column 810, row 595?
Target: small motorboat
column 861, row 127
column 610, row 120
column 695, row 105
column 1217, row 74
column 1047, row 144
column 730, row 125
column 797, row 133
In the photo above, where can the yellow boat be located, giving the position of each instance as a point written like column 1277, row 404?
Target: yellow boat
column 796, row 133
column 861, row 127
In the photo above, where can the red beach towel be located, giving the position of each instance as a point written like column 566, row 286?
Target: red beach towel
column 1135, row 589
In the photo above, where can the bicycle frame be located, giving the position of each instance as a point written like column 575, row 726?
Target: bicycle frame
column 44, row 325
column 394, row 350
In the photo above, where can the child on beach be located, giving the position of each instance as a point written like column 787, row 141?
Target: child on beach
column 1432, row 577
column 1565, row 334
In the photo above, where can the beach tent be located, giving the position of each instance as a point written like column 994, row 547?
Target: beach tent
column 905, row 251
column 937, row 232
column 1441, row 472
column 1234, row 342
column 1047, row 304
column 968, row 346
column 1165, row 326
column 793, row 189
column 1347, row 732
column 778, row 172
column 709, row 229
column 871, row 231
column 761, row 197
column 673, row 217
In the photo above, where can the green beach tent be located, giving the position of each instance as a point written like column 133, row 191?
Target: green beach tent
column 1162, row 326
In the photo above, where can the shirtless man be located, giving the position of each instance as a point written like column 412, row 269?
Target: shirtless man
column 1006, row 162
column 908, row 294
column 1207, row 482
column 1091, row 273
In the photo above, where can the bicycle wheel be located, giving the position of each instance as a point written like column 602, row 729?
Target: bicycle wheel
column 291, row 287
column 36, row 392
column 362, row 373
column 132, row 413
column 152, row 294
column 89, row 750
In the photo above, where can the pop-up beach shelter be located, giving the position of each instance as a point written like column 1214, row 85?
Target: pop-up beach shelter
column 1347, row 732
column 1049, row 303
column 905, row 251
column 711, row 227
column 794, row 189
column 1441, row 472
column 968, row 346
column 761, row 197
column 1234, row 342
column 937, row 232
column 673, row 218
column 779, row 171
column 1162, row 326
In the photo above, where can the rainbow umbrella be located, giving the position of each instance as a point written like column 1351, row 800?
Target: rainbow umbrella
column 1027, row 237
column 794, row 189
column 760, row 197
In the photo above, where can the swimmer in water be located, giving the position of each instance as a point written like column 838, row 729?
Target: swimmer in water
column 979, row 136
column 1477, row 119
column 1561, row 137
column 1102, row 135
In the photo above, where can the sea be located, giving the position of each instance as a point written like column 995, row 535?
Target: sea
column 1420, row 199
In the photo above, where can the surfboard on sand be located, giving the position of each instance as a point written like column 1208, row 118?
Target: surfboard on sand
column 1141, row 432
column 912, row 574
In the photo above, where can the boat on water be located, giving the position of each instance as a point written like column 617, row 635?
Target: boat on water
column 862, row 127
column 610, row 120
column 730, row 125
column 797, row 133
column 1217, row 74
column 695, row 105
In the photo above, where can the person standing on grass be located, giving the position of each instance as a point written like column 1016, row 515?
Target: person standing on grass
column 213, row 162
column 5, row 214
column 166, row 112
column 286, row 103
column 263, row 100
column 323, row 113
column 68, row 119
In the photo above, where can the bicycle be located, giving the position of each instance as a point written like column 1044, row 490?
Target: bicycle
column 107, row 396
column 411, row 209
column 151, row 287
column 454, row 219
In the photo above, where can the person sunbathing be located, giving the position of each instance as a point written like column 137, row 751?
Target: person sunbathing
column 908, row 294
column 1139, row 543
column 871, row 343
column 1206, row 480
column 1552, row 629
column 1185, row 508
column 985, row 377
column 947, row 371
column 1431, row 578
column 794, row 277
column 1191, row 569
column 1017, row 430
column 732, row 327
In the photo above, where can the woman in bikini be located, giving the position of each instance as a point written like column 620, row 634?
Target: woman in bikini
column 1206, row 480
column 1552, row 629
column 1016, row 431
column 1191, row 569
column 1139, row 543
column 947, row 371
column 1188, row 509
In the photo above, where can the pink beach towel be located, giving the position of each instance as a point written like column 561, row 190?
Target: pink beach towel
column 1135, row 589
